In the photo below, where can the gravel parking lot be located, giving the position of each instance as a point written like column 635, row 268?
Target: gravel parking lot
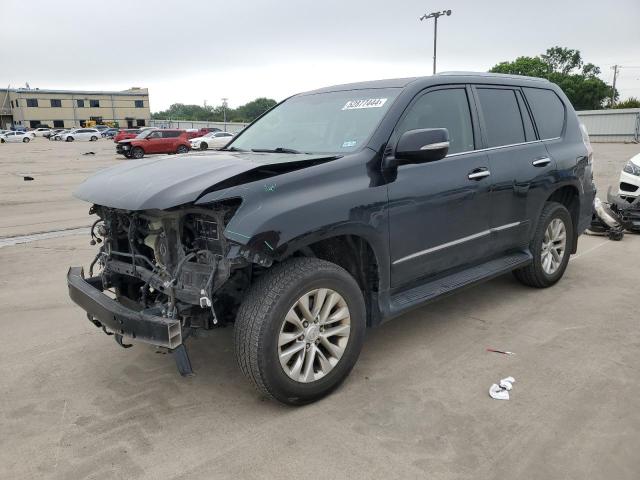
column 73, row 404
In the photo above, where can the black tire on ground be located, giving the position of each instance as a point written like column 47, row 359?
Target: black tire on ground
column 69, row 139
column 1, row 140
column 615, row 235
column 26, row 140
column 137, row 153
column 204, row 146
column 533, row 275
column 261, row 316
column 182, row 149
column 94, row 139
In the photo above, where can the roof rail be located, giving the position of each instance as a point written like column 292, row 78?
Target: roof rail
column 492, row 75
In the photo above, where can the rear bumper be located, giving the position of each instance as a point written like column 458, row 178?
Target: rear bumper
column 138, row 325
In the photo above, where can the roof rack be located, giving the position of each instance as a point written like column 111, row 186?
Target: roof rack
column 492, row 75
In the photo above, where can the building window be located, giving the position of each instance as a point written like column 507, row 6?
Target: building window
column 56, row 102
column 140, row 122
column 11, row 103
column 34, row 123
column 94, row 103
column 139, row 104
column 17, row 103
column 80, row 103
column 32, row 102
column 58, row 124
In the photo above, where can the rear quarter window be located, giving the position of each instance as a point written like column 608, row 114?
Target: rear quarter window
column 548, row 111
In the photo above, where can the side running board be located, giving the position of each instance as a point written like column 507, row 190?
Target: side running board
column 442, row 286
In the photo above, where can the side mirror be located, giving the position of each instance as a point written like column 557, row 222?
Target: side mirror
column 423, row 145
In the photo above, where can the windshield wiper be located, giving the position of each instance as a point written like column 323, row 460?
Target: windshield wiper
column 275, row 150
column 232, row 149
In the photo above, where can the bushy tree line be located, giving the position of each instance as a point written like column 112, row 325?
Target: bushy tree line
column 245, row 113
column 565, row 67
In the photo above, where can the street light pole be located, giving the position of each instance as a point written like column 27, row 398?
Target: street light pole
column 224, row 112
column 435, row 16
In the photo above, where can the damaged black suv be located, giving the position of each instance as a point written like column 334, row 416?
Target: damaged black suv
column 336, row 210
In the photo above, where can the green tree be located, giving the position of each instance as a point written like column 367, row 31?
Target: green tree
column 631, row 102
column 245, row 113
column 565, row 67
column 255, row 108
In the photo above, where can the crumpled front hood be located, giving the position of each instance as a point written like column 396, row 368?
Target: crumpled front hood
column 169, row 181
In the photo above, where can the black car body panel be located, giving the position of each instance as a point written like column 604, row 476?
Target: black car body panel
column 424, row 223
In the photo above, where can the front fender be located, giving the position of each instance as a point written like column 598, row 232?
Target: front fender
column 282, row 214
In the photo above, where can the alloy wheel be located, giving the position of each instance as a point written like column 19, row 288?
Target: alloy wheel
column 314, row 335
column 553, row 246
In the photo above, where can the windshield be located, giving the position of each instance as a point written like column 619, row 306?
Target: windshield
column 333, row 122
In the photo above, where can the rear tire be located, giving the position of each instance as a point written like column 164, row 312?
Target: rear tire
column 137, row 153
column 94, row 139
column 264, row 333
column 182, row 149
column 26, row 140
column 549, row 264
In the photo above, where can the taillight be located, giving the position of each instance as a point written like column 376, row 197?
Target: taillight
column 586, row 141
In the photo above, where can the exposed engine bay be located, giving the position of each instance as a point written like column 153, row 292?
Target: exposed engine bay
column 171, row 262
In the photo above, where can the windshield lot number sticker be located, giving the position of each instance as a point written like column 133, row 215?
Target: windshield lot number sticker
column 364, row 103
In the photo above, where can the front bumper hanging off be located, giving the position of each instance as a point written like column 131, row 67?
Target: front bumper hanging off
column 142, row 326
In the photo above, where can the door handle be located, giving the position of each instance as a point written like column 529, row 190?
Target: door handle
column 541, row 162
column 478, row 174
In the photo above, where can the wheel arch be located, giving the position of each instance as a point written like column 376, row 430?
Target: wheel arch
column 569, row 196
column 357, row 255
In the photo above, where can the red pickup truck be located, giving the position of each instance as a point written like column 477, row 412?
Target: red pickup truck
column 154, row 141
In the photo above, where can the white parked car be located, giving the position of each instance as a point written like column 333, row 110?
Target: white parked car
column 86, row 134
column 17, row 137
column 629, row 186
column 41, row 132
column 215, row 140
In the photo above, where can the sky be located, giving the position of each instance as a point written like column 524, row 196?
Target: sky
column 196, row 51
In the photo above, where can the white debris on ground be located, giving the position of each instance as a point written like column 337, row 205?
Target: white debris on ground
column 500, row 391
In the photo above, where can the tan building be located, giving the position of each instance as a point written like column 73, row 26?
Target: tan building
column 65, row 108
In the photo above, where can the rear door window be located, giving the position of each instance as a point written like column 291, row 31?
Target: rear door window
column 447, row 108
column 502, row 121
column 548, row 111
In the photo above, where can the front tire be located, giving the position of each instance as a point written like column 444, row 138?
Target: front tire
column 550, row 247
column 69, row 139
column 26, row 140
column 94, row 139
column 137, row 153
column 182, row 149
column 299, row 330
column 204, row 146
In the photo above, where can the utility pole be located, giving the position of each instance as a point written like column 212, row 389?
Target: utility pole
column 613, row 90
column 224, row 112
column 435, row 16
